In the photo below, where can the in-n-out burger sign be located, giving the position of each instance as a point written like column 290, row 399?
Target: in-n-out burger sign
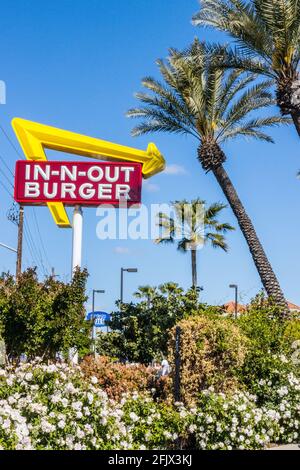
column 82, row 183
column 116, row 177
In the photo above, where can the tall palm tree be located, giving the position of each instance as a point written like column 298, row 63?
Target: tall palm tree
column 267, row 35
column 193, row 227
column 213, row 106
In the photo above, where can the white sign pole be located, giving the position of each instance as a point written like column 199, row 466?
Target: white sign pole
column 77, row 238
column 76, row 258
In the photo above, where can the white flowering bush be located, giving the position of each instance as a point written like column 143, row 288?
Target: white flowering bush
column 242, row 420
column 55, row 407
column 281, row 391
column 51, row 407
column 156, row 425
column 233, row 422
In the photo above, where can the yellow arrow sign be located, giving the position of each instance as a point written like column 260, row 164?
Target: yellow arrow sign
column 35, row 137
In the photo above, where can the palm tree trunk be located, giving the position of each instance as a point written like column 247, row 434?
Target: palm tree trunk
column 288, row 99
column 194, row 267
column 267, row 275
column 296, row 120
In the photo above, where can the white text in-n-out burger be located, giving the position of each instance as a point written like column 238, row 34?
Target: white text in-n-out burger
column 77, row 182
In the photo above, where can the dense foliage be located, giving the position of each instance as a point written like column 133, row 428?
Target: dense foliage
column 269, row 339
column 212, row 349
column 139, row 332
column 43, row 318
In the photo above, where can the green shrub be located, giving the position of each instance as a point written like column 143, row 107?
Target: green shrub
column 212, row 350
column 42, row 318
column 291, row 332
column 270, row 339
column 139, row 332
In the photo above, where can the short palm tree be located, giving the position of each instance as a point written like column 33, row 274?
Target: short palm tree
column 193, row 227
column 213, row 106
column 147, row 292
column 267, row 34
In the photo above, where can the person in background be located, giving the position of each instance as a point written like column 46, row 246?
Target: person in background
column 165, row 368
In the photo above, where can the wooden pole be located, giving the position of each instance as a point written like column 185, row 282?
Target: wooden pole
column 20, row 242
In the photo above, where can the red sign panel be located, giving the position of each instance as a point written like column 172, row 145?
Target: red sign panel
column 84, row 183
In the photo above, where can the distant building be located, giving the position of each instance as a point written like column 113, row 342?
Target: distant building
column 293, row 307
column 229, row 308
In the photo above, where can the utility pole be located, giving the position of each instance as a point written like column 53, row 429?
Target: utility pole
column 53, row 275
column 16, row 216
column 20, row 242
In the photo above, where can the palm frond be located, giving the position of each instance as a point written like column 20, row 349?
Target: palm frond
column 252, row 128
column 201, row 100
column 267, row 31
column 217, row 241
column 158, row 121
column 254, row 98
column 227, row 56
column 239, row 19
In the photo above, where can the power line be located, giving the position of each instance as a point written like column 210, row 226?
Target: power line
column 6, row 189
column 6, row 177
column 29, row 247
column 29, row 235
column 6, row 166
column 37, row 258
column 11, row 142
column 37, row 250
column 41, row 238
column 33, row 248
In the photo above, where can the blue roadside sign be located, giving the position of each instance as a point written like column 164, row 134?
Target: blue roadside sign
column 100, row 318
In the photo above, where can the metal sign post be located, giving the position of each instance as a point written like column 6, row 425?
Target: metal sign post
column 77, row 238
column 76, row 258
column 177, row 391
column 94, row 318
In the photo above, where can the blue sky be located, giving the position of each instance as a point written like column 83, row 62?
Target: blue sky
column 75, row 64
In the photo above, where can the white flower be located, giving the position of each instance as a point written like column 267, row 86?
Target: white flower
column 64, row 402
column 192, row 428
column 6, row 424
column 46, row 426
column 77, row 405
column 79, row 434
column 90, row 397
column 28, row 376
column 61, row 424
column 133, row 417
